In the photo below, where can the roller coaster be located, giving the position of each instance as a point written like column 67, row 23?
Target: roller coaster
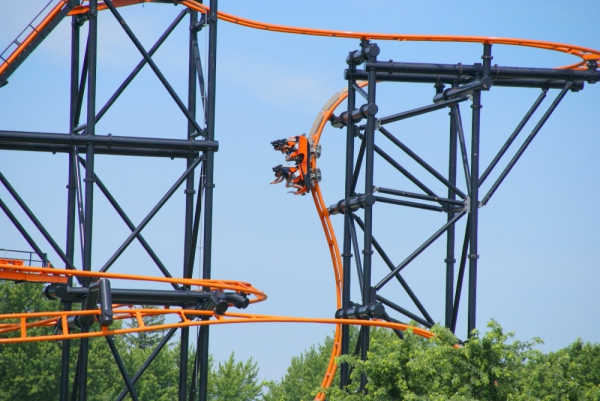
column 206, row 302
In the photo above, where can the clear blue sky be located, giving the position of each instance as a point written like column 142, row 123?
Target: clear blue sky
column 539, row 235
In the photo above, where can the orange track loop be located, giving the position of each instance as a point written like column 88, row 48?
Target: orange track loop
column 238, row 286
column 334, row 250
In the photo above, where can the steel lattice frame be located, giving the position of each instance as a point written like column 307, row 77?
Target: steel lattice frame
column 197, row 148
column 466, row 85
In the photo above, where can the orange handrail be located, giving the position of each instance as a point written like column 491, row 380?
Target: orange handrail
column 39, row 28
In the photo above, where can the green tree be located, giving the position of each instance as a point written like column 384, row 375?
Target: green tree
column 29, row 371
column 104, row 380
column 32, row 370
column 146, row 339
column 235, row 381
column 572, row 373
column 303, row 378
column 160, row 381
column 485, row 368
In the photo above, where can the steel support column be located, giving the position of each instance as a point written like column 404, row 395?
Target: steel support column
column 81, row 139
column 71, row 196
column 473, row 213
column 474, row 198
column 347, row 250
column 209, row 188
column 450, row 235
column 89, row 177
column 188, row 264
column 368, row 231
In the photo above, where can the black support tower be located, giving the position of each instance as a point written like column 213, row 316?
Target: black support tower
column 82, row 145
column 461, row 199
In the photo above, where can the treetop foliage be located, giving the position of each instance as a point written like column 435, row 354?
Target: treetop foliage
column 492, row 366
column 31, row 371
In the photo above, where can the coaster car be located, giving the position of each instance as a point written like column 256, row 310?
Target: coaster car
column 304, row 175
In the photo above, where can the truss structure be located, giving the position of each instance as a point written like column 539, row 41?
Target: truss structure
column 83, row 146
column 197, row 302
column 458, row 199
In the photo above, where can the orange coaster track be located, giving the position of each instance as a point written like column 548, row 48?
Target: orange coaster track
column 22, row 322
column 584, row 53
column 37, row 274
column 50, row 319
column 9, row 270
column 316, row 132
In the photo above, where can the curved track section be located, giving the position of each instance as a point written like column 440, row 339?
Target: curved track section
column 48, row 319
column 336, row 260
column 584, row 53
column 334, row 250
column 37, row 273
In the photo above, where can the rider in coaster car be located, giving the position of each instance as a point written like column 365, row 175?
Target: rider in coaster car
column 292, row 177
column 289, row 147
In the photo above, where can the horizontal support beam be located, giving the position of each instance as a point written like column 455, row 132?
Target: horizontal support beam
column 354, row 116
column 409, row 204
column 452, row 93
column 418, row 196
column 352, row 204
column 464, row 79
column 103, row 150
column 590, row 76
column 145, row 297
column 538, row 83
column 372, row 310
column 421, row 110
column 107, row 141
column 361, row 75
